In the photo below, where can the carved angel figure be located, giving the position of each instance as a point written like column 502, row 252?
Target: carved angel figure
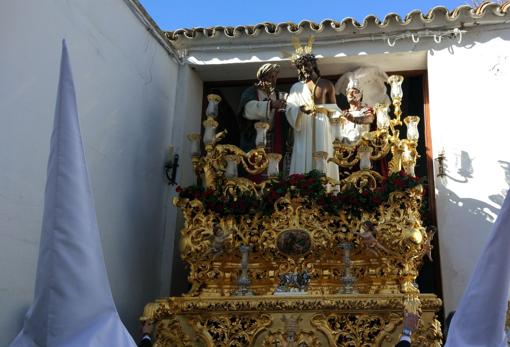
column 368, row 239
column 371, row 80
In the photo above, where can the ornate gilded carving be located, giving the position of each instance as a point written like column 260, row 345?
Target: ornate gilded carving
column 169, row 333
column 230, row 330
column 347, row 155
column 429, row 334
column 298, row 236
column 300, row 339
column 165, row 308
column 340, row 320
column 356, row 330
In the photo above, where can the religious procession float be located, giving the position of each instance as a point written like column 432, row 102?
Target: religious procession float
column 304, row 259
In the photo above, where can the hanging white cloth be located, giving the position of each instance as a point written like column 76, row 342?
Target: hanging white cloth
column 73, row 304
column 481, row 315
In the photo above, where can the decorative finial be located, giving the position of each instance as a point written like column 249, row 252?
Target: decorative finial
column 301, row 50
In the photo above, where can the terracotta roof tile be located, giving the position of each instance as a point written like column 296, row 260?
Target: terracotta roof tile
column 414, row 17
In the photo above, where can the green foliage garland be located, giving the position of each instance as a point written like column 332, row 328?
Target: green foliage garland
column 309, row 187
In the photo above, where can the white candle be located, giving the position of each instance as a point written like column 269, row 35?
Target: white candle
column 273, row 169
column 194, row 144
column 364, row 155
column 231, row 169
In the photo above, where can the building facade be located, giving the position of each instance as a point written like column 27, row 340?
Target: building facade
column 140, row 91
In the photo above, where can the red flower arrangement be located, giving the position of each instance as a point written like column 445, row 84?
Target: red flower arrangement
column 309, row 186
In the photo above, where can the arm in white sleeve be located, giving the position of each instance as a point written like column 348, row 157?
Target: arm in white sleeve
column 294, row 116
column 293, row 112
column 257, row 110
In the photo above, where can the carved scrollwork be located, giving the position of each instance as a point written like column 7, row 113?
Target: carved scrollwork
column 231, row 330
column 352, row 320
column 254, row 161
column 232, row 185
column 380, row 142
column 300, row 339
column 167, row 308
column 346, row 155
column 364, row 179
column 429, row 334
column 385, row 260
column 395, row 164
column 170, row 334
column 356, row 330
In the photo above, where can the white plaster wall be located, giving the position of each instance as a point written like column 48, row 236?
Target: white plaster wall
column 187, row 119
column 126, row 86
column 470, row 120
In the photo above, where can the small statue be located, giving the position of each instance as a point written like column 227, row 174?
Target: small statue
column 359, row 115
column 310, row 103
column 303, row 279
column 368, row 239
column 363, row 88
column 261, row 102
column 427, row 246
column 218, row 240
column 293, row 282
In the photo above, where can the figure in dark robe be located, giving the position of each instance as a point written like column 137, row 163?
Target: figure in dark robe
column 260, row 102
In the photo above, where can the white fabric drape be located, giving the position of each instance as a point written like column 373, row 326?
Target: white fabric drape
column 73, row 304
column 480, row 318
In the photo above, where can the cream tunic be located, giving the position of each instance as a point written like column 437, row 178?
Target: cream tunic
column 312, row 132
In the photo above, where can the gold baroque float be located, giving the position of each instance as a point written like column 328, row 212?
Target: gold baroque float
column 330, row 320
column 317, row 274
column 388, row 246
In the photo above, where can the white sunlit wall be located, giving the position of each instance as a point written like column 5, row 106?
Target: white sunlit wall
column 126, row 87
column 468, row 87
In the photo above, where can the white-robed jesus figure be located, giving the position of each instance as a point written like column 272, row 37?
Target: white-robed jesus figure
column 310, row 103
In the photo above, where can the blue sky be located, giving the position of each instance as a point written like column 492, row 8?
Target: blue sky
column 175, row 14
